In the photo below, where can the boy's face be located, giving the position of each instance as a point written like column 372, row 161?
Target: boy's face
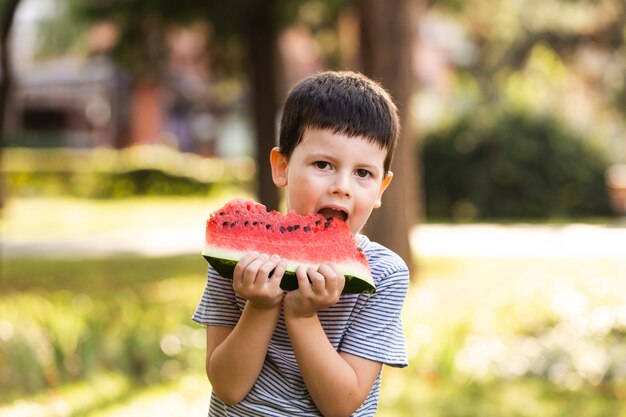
column 334, row 175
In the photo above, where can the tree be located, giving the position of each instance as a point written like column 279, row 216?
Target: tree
column 244, row 42
column 507, row 41
column 387, row 33
column 263, row 78
column 6, row 22
column 240, row 25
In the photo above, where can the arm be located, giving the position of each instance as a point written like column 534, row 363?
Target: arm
column 338, row 382
column 235, row 356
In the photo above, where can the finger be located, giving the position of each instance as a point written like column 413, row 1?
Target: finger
column 341, row 279
column 318, row 282
column 330, row 277
column 266, row 269
column 243, row 264
column 251, row 271
column 279, row 270
column 277, row 275
column 304, row 285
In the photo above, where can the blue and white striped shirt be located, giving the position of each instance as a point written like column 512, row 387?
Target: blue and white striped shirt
column 368, row 326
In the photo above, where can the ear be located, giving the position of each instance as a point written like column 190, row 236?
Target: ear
column 279, row 167
column 383, row 187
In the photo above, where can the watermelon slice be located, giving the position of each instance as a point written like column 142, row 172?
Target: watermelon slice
column 242, row 226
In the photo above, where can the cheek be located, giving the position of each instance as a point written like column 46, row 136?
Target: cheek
column 366, row 201
column 369, row 191
column 307, row 182
column 307, row 189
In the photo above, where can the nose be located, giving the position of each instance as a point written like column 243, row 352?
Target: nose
column 341, row 185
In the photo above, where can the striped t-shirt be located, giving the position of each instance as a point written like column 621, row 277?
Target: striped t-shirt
column 368, row 326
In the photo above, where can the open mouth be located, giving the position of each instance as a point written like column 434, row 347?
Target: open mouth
column 333, row 213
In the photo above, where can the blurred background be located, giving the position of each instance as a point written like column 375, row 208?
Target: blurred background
column 125, row 123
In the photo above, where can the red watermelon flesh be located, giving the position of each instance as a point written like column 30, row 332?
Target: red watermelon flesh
column 242, row 226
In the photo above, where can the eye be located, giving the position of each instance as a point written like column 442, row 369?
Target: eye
column 363, row 173
column 322, row 164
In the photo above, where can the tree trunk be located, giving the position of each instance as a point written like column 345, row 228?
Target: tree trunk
column 387, row 33
column 263, row 53
column 6, row 79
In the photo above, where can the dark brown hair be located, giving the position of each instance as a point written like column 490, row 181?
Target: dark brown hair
column 343, row 102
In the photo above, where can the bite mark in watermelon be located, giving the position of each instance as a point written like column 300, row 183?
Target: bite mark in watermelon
column 242, row 226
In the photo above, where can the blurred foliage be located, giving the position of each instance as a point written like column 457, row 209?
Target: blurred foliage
column 142, row 182
column 508, row 165
column 541, row 60
column 143, row 27
column 68, row 320
column 110, row 173
column 547, row 342
column 59, row 35
column 559, row 57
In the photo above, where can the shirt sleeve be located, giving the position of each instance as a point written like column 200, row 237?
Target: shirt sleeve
column 218, row 305
column 377, row 332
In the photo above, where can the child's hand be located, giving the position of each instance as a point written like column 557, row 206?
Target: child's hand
column 317, row 289
column 257, row 279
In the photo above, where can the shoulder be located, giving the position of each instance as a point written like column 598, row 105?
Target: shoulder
column 385, row 264
column 382, row 257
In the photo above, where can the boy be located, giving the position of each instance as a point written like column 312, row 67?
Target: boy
column 313, row 351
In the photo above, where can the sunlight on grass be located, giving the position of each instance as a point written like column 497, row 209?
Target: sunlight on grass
column 71, row 399
column 62, row 217
column 513, row 337
column 494, row 338
column 187, row 397
column 486, row 336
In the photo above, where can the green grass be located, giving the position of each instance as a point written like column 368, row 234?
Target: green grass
column 66, row 320
column 452, row 300
column 486, row 337
column 513, row 337
column 62, row 217
column 94, row 392
column 97, row 277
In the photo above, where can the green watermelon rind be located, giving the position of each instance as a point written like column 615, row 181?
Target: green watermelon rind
column 225, row 266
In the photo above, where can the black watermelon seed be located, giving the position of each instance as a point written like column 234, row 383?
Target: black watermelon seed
column 290, row 228
column 307, row 229
column 282, row 229
column 318, row 222
column 246, row 223
column 268, row 226
column 327, row 224
column 296, row 227
column 225, row 224
column 255, row 223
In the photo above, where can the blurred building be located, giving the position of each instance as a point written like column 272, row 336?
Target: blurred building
column 90, row 101
column 69, row 103
column 65, row 101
